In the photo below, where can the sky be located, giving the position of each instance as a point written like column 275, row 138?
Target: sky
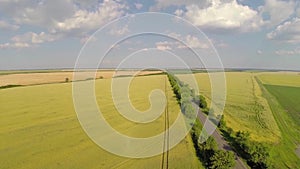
column 45, row 34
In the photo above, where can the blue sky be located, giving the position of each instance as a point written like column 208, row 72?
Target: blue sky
column 41, row 34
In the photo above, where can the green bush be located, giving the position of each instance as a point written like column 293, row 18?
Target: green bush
column 202, row 102
column 222, row 160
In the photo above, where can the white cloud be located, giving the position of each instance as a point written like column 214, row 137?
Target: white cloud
column 145, row 49
column 194, row 42
column 35, row 38
column 165, row 45
column 88, row 38
column 187, row 41
column 138, row 6
column 119, row 31
column 179, row 12
column 16, row 45
column 38, row 13
column 7, row 26
column 277, row 10
column 162, row 4
column 259, row 52
column 84, row 21
column 288, row 52
column 86, row 3
column 288, row 32
column 66, row 18
column 224, row 15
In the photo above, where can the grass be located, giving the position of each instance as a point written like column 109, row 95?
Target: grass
column 283, row 154
column 246, row 109
column 39, row 128
column 288, row 97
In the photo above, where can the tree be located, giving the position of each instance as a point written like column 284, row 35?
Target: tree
column 196, row 130
column 222, row 123
column 222, row 160
column 210, row 144
column 230, row 131
column 189, row 111
column 208, row 148
column 202, row 102
column 259, row 154
column 205, row 111
column 242, row 138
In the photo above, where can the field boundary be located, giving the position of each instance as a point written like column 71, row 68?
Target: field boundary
column 166, row 135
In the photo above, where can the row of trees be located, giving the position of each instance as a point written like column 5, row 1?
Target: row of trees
column 256, row 153
column 207, row 151
column 184, row 96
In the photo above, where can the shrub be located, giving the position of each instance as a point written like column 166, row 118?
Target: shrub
column 222, row 160
column 202, row 102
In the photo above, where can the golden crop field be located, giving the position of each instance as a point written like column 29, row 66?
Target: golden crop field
column 39, row 128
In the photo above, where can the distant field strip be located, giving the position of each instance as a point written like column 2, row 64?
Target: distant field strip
column 281, row 78
column 39, row 128
column 21, row 78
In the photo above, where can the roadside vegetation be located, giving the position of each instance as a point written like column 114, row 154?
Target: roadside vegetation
column 262, row 113
column 257, row 154
column 207, row 151
column 246, row 109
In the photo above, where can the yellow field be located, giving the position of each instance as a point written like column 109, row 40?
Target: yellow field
column 281, row 78
column 39, row 128
column 245, row 107
column 54, row 77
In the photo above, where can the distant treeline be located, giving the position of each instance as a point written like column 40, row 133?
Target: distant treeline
column 9, row 86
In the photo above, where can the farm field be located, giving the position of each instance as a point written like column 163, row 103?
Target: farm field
column 280, row 78
column 44, row 77
column 245, row 107
column 288, row 97
column 275, row 96
column 39, row 128
column 284, row 101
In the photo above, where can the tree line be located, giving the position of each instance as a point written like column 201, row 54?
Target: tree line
column 255, row 153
